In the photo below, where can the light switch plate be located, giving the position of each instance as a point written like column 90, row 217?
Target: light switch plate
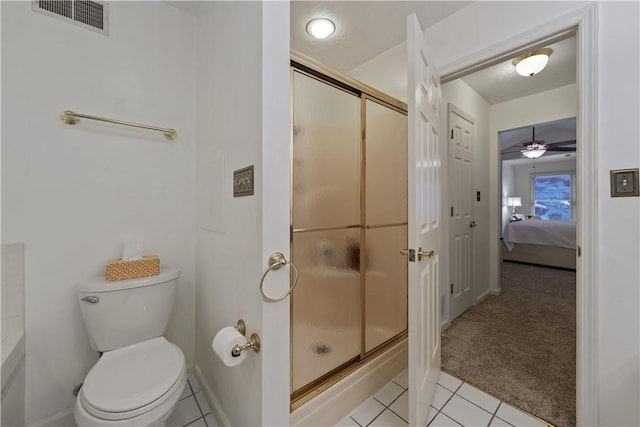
column 243, row 182
column 624, row 183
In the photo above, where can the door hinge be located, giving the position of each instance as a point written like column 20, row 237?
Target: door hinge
column 452, row 289
column 451, row 133
column 579, row 251
column 451, row 210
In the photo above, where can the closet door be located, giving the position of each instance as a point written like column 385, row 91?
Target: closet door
column 326, row 314
column 386, row 224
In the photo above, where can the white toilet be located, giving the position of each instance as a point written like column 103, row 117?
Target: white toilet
column 140, row 376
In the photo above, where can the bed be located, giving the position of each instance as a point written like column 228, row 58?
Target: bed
column 543, row 242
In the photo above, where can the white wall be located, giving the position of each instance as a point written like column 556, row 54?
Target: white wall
column 618, row 224
column 466, row 99
column 508, row 190
column 243, row 119
column 502, row 28
column 72, row 194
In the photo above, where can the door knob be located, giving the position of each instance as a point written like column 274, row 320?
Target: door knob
column 427, row 254
column 472, row 224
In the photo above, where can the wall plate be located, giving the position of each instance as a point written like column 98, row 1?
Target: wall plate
column 243, row 182
column 624, row 183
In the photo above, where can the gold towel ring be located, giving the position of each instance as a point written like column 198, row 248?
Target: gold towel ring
column 277, row 261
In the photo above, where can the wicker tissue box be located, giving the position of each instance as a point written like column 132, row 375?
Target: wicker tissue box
column 118, row 269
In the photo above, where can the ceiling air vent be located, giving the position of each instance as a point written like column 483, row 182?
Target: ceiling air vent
column 91, row 15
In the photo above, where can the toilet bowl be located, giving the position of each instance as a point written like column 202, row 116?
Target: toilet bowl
column 138, row 385
column 140, row 376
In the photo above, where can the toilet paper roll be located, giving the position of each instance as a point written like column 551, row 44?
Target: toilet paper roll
column 223, row 343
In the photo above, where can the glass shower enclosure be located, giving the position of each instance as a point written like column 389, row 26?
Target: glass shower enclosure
column 348, row 222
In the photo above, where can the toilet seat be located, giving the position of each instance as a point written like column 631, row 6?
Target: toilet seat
column 133, row 380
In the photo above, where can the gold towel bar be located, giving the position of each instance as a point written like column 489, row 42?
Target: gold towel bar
column 71, row 118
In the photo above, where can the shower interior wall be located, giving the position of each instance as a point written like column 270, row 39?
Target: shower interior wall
column 349, row 192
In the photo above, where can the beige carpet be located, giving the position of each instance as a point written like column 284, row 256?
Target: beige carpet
column 520, row 346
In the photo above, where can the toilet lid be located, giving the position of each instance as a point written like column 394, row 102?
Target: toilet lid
column 132, row 377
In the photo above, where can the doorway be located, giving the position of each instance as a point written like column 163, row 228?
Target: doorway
column 498, row 110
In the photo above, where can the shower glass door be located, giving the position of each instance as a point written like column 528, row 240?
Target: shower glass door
column 326, row 315
column 385, row 308
column 349, row 222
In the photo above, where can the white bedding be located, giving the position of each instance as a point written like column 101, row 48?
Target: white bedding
column 540, row 232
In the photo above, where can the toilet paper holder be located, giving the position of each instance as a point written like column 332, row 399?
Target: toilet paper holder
column 253, row 343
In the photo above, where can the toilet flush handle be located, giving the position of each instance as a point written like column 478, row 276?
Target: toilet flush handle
column 92, row 299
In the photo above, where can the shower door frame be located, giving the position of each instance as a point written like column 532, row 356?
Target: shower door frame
column 314, row 69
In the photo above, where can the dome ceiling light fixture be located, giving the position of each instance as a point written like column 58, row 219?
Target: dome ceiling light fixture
column 320, row 28
column 532, row 63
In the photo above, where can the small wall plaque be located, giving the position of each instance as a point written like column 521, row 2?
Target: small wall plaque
column 243, row 182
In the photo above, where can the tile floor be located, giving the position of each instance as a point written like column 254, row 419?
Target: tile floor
column 192, row 409
column 455, row 403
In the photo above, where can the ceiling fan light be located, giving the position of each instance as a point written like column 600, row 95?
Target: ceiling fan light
column 534, row 151
column 532, row 63
column 320, row 28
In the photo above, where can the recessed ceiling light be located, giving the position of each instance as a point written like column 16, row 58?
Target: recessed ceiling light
column 320, row 28
column 532, row 63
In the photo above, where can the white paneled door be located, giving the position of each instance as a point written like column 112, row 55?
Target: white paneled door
column 425, row 223
column 460, row 175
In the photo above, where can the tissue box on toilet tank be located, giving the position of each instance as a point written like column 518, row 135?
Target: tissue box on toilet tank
column 118, row 269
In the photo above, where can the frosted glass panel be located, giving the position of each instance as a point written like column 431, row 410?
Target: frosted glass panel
column 326, row 155
column 386, row 285
column 326, row 303
column 386, row 165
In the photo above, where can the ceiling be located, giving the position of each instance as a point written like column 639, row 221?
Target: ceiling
column 365, row 29
column 501, row 83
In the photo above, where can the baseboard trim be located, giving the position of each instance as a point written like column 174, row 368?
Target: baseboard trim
column 60, row 419
column 213, row 401
column 340, row 399
column 482, row 297
column 495, row 292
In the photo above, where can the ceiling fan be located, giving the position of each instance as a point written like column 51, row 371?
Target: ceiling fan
column 534, row 149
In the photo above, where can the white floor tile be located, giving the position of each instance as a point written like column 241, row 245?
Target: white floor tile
column 401, row 406
column 388, row 393
column 198, row 423
column 465, row 412
column 402, row 379
column 366, row 412
column 388, row 419
column 185, row 412
column 186, row 392
column 347, row 422
column 440, row 397
column 447, row 381
column 478, row 397
column 497, row 422
column 443, row 421
column 211, row 420
column 432, row 413
column 516, row 417
column 195, row 386
column 204, row 405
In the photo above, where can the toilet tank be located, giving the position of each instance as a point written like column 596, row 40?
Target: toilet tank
column 125, row 312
